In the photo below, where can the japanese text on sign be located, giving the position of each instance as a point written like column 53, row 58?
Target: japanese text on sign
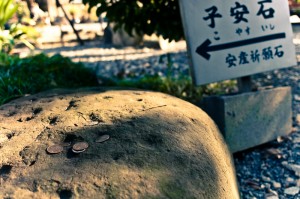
column 223, row 36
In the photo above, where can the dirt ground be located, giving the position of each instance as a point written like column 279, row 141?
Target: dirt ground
column 158, row 147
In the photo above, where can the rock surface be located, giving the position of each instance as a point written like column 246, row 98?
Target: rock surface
column 292, row 191
column 155, row 146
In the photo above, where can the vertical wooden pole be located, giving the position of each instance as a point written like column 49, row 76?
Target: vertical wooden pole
column 244, row 84
column 72, row 25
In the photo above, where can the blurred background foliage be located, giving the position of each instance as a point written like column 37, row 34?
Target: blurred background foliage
column 22, row 76
column 43, row 73
column 161, row 17
column 13, row 33
column 19, row 77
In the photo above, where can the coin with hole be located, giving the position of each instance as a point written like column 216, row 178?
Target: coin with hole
column 55, row 149
column 102, row 138
column 80, row 147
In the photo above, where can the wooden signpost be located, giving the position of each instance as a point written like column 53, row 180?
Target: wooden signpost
column 235, row 39
column 231, row 39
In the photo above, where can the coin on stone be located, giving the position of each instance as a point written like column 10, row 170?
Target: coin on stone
column 74, row 151
column 102, row 138
column 54, row 149
column 80, row 147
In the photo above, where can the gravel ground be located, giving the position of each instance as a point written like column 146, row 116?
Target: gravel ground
column 270, row 171
column 273, row 170
column 109, row 61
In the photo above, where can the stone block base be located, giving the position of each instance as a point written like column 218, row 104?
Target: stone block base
column 250, row 119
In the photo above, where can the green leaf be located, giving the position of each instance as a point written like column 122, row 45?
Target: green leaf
column 7, row 10
column 18, row 36
column 28, row 44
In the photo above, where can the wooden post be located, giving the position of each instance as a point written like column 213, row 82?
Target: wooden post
column 244, row 84
column 70, row 22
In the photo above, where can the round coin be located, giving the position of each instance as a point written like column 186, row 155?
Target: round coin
column 54, row 149
column 102, row 138
column 74, row 151
column 79, row 146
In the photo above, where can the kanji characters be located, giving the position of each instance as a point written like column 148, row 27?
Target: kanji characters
column 254, row 56
column 243, row 58
column 267, row 53
column 230, row 60
column 212, row 14
column 278, row 53
column 266, row 13
column 238, row 12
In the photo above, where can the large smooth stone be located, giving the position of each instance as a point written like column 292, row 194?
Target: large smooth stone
column 159, row 147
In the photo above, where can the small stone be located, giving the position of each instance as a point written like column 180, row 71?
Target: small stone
column 296, row 140
column 267, row 186
column 93, row 123
column 280, row 139
column 292, row 191
column 298, row 118
column 3, row 138
column 255, row 185
column 284, row 163
column 292, row 167
column 270, row 196
column 265, row 178
column 272, row 192
column 276, row 185
column 297, row 98
column 289, row 180
column 275, row 152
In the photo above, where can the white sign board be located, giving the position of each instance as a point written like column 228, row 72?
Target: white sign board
column 235, row 38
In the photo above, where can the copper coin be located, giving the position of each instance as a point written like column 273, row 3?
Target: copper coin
column 54, row 149
column 102, row 138
column 79, row 146
column 74, row 151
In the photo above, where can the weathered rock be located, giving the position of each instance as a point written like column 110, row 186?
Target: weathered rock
column 158, row 147
column 296, row 140
column 292, row 191
column 272, row 197
column 292, row 167
column 298, row 118
column 297, row 97
column 276, row 185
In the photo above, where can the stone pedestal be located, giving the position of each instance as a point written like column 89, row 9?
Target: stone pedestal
column 250, row 119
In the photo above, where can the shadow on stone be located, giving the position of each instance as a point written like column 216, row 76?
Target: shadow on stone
column 156, row 149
